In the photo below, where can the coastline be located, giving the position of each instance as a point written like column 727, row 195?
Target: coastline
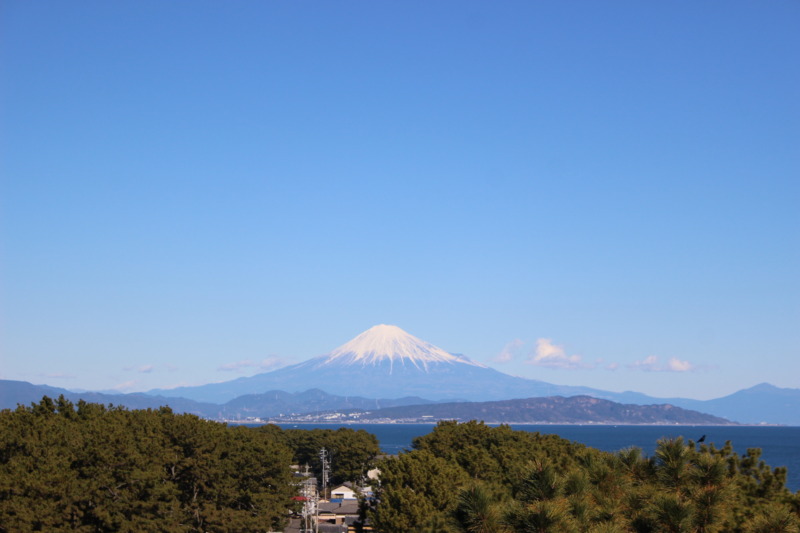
column 286, row 422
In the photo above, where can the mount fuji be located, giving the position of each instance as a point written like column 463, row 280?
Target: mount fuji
column 387, row 362
column 385, row 366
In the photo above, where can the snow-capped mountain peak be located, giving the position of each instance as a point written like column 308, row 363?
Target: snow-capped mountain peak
column 384, row 343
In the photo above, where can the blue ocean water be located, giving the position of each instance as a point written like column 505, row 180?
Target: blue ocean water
column 780, row 446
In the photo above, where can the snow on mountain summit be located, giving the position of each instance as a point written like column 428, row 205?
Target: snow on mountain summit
column 389, row 343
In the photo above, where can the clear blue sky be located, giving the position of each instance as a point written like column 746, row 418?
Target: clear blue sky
column 594, row 193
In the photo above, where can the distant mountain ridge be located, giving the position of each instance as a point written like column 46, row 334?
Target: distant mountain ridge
column 386, row 362
column 13, row 393
column 277, row 403
column 280, row 404
column 552, row 410
column 761, row 404
column 268, row 404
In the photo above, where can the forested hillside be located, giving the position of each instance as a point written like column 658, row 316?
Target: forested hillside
column 92, row 468
column 87, row 467
column 474, row 478
column 553, row 409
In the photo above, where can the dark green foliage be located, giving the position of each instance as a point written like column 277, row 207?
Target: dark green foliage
column 774, row 519
column 416, row 490
column 496, row 455
column 96, row 468
column 352, row 453
column 476, row 512
column 541, row 484
column 88, row 467
column 498, row 480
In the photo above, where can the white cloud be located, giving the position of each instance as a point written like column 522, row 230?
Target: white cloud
column 272, row 362
column 648, row 364
column 676, row 365
column 553, row 356
column 651, row 363
column 509, row 351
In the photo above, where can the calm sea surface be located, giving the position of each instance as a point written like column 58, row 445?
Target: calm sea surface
column 780, row 446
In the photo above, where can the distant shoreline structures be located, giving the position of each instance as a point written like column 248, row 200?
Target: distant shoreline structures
column 433, row 422
column 582, row 410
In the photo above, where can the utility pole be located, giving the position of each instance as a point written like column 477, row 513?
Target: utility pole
column 324, row 459
column 309, row 492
